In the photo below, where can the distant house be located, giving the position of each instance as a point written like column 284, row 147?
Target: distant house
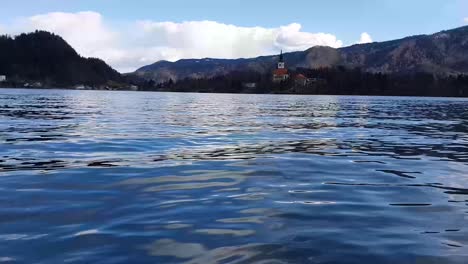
column 301, row 80
column 2, row 78
column 280, row 74
column 37, row 85
column 249, row 85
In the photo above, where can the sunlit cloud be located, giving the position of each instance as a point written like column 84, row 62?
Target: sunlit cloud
column 85, row 30
column 365, row 38
column 213, row 39
column 3, row 30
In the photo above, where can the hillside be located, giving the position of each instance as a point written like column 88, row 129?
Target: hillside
column 47, row 58
column 443, row 53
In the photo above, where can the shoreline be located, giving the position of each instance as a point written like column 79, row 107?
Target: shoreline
column 290, row 94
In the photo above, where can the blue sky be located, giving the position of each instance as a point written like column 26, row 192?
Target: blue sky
column 383, row 19
column 344, row 19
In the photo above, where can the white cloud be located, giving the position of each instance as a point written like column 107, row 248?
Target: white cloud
column 213, row 39
column 465, row 20
column 3, row 30
column 140, row 43
column 291, row 38
column 85, row 31
column 365, row 38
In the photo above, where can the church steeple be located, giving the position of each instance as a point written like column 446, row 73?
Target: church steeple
column 280, row 74
column 281, row 61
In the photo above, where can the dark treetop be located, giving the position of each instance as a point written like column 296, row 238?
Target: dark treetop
column 47, row 58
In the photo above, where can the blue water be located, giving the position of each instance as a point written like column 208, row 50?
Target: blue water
column 128, row 177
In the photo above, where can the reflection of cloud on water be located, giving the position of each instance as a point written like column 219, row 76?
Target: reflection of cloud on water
column 190, row 186
column 171, row 248
column 253, row 220
column 307, row 202
column 224, row 232
column 249, row 196
column 206, row 180
column 177, row 226
column 259, row 211
column 197, row 253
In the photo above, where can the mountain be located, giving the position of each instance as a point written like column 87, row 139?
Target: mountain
column 47, row 58
column 443, row 53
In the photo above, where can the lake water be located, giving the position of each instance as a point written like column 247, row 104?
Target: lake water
column 128, row 177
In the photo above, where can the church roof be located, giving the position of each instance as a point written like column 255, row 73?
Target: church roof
column 300, row 76
column 280, row 72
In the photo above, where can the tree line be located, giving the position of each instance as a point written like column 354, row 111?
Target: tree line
column 330, row 81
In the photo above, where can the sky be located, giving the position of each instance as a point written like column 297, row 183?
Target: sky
column 130, row 34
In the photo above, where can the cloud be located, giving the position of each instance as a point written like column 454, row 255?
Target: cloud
column 135, row 44
column 3, row 30
column 85, row 31
column 465, row 20
column 213, row 39
column 365, row 38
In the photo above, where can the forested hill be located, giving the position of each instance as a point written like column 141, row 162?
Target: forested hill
column 44, row 57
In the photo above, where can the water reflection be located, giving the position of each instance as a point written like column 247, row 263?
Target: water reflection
column 200, row 178
column 168, row 247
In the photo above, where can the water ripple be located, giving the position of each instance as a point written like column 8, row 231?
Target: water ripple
column 89, row 176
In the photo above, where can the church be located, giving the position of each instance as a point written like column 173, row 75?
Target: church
column 280, row 74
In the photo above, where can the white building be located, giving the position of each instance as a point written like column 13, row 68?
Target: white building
column 249, row 85
column 2, row 78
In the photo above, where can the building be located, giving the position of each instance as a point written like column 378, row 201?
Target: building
column 281, row 73
column 249, row 85
column 2, row 78
column 301, row 80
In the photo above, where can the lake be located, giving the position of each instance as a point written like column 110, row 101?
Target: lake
column 134, row 177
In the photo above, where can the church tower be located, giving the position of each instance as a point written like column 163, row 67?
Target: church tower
column 280, row 74
column 281, row 61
